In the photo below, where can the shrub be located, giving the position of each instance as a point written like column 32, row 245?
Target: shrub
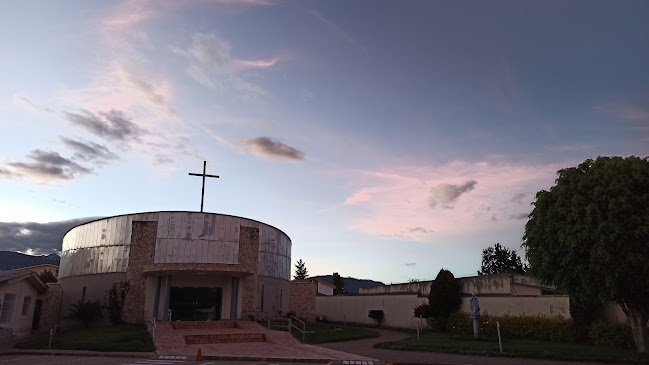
column 376, row 315
column 115, row 301
column 422, row 310
column 86, row 312
column 555, row 329
column 611, row 334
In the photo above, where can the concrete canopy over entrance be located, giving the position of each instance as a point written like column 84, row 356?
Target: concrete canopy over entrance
column 194, row 296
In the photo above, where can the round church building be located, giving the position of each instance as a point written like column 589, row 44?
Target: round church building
column 180, row 266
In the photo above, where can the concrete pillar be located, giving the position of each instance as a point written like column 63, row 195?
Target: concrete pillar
column 234, row 298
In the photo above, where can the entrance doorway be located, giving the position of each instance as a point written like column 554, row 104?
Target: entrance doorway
column 195, row 304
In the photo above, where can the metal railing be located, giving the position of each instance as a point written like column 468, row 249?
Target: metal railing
column 291, row 326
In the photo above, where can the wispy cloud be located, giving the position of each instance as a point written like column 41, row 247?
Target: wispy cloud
column 114, row 86
column 519, row 216
column 22, row 100
column 358, row 197
column 163, row 160
column 410, row 264
column 270, row 148
column 112, row 125
column 89, row 151
column 306, row 94
column 48, row 165
column 335, row 28
column 394, row 203
column 212, row 65
column 7, row 174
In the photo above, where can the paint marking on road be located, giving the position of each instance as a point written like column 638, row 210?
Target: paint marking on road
column 68, row 361
column 155, row 362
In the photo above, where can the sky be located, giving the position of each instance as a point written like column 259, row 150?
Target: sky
column 388, row 139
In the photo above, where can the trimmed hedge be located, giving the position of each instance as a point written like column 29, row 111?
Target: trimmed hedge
column 554, row 329
column 611, row 334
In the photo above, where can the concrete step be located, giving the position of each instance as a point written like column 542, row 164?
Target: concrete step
column 225, row 338
column 191, row 325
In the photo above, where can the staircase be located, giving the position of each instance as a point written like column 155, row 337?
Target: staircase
column 225, row 338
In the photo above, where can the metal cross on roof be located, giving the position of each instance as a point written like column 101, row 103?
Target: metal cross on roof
column 204, row 175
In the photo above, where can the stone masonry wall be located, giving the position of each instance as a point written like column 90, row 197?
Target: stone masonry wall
column 249, row 260
column 141, row 253
column 51, row 307
column 302, row 300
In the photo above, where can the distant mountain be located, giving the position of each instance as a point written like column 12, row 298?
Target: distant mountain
column 352, row 284
column 15, row 260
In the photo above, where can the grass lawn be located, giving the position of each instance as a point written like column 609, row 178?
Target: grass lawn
column 328, row 332
column 444, row 342
column 129, row 338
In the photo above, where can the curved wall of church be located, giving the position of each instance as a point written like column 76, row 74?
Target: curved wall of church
column 102, row 246
column 96, row 254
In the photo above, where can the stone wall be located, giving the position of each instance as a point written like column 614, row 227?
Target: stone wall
column 51, row 307
column 249, row 260
column 302, row 301
column 484, row 284
column 143, row 238
column 398, row 309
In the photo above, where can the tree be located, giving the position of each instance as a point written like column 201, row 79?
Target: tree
column 300, row 270
column 499, row 259
column 339, row 284
column 47, row 277
column 116, row 297
column 589, row 236
column 445, row 298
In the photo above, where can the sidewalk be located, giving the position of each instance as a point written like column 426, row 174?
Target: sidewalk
column 7, row 348
column 365, row 348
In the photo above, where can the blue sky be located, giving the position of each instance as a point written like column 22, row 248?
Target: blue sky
column 387, row 139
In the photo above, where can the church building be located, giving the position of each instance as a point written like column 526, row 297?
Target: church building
column 181, row 266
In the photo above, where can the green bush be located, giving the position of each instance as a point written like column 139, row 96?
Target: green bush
column 611, row 334
column 86, row 312
column 376, row 315
column 555, row 329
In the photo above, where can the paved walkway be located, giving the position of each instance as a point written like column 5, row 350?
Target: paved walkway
column 365, row 348
column 278, row 345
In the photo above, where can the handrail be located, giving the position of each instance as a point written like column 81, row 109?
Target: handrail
column 291, row 325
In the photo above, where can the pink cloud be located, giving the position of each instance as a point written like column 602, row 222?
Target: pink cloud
column 400, row 198
column 247, row 64
column 358, row 197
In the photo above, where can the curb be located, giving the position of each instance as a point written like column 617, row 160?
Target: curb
column 142, row 355
column 266, row 359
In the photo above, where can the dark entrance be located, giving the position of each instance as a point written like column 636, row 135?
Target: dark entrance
column 195, row 304
column 37, row 314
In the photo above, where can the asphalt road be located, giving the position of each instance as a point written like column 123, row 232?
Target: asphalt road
column 93, row 360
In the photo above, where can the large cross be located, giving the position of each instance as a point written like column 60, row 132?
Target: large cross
column 204, row 176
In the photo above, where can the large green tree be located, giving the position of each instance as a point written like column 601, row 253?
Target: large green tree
column 300, row 270
column 499, row 259
column 445, row 297
column 589, row 235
